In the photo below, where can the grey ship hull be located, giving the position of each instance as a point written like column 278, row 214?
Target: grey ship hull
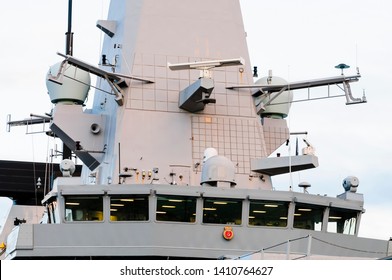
column 153, row 239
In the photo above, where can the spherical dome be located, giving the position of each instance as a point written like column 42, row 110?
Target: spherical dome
column 283, row 100
column 351, row 184
column 209, row 152
column 71, row 88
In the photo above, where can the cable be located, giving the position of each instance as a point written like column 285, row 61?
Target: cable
column 289, row 127
column 110, row 93
column 347, row 248
column 34, row 174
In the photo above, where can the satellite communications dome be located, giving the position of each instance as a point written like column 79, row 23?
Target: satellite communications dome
column 350, row 184
column 218, row 169
column 283, row 101
column 71, row 88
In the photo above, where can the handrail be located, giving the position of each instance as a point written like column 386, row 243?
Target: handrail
column 308, row 252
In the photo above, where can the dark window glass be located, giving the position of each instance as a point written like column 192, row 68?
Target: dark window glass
column 342, row 221
column 308, row 216
column 129, row 208
column 222, row 211
column 268, row 213
column 176, row 208
column 83, row 208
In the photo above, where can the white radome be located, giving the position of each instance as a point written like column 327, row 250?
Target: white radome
column 283, row 101
column 72, row 88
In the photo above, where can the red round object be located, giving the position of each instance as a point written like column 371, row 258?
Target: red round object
column 228, row 233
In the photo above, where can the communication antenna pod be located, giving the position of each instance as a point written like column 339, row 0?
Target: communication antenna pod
column 342, row 66
column 255, row 74
column 67, row 167
column 350, row 184
column 305, row 186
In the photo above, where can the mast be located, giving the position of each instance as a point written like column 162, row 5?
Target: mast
column 67, row 153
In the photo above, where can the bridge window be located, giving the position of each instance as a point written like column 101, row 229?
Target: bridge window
column 342, row 221
column 176, row 208
column 308, row 216
column 129, row 208
column 268, row 213
column 222, row 211
column 83, row 208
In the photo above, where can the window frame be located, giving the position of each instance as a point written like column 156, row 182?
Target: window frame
column 217, row 205
column 333, row 213
column 126, row 198
column 81, row 196
column 173, row 202
column 303, row 208
column 267, row 202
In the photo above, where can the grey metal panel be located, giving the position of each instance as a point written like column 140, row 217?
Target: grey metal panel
column 283, row 165
column 191, row 98
column 81, row 192
column 25, row 237
column 346, row 204
column 271, row 195
column 139, row 191
column 126, row 189
column 184, row 240
column 180, row 191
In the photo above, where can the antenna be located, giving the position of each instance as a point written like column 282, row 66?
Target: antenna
column 205, row 67
column 342, row 66
column 356, row 57
column 69, row 34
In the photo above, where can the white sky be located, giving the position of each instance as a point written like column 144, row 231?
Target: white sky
column 298, row 40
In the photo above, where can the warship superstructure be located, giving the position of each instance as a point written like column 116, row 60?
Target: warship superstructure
column 177, row 147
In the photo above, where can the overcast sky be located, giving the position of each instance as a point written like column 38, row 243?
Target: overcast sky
column 298, row 40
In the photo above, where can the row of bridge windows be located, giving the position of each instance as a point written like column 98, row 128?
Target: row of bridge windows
column 174, row 208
